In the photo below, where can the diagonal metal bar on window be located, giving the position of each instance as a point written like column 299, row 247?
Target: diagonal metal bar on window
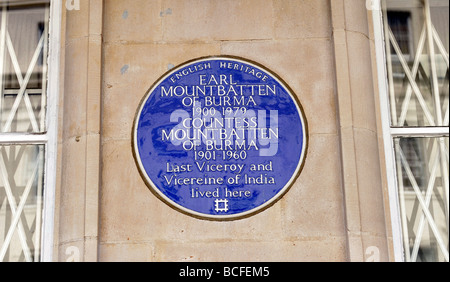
column 415, row 68
column 428, row 195
column 411, row 79
column 22, row 90
column 11, row 200
column 17, row 214
column 423, row 205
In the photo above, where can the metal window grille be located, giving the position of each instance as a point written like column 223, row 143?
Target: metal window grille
column 412, row 40
column 28, row 106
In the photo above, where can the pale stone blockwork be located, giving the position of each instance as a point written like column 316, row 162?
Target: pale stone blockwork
column 78, row 219
column 321, row 49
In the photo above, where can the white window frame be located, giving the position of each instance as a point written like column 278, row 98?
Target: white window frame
column 390, row 133
column 48, row 138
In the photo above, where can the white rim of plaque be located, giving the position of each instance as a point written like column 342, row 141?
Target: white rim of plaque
column 154, row 188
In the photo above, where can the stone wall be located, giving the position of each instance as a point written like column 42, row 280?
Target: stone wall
column 116, row 49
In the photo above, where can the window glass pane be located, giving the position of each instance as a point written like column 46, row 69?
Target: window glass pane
column 21, row 191
column 422, row 172
column 23, row 71
column 417, row 61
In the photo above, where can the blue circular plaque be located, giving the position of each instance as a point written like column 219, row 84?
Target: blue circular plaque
column 220, row 138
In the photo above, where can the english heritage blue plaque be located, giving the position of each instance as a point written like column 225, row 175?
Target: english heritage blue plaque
column 220, row 138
